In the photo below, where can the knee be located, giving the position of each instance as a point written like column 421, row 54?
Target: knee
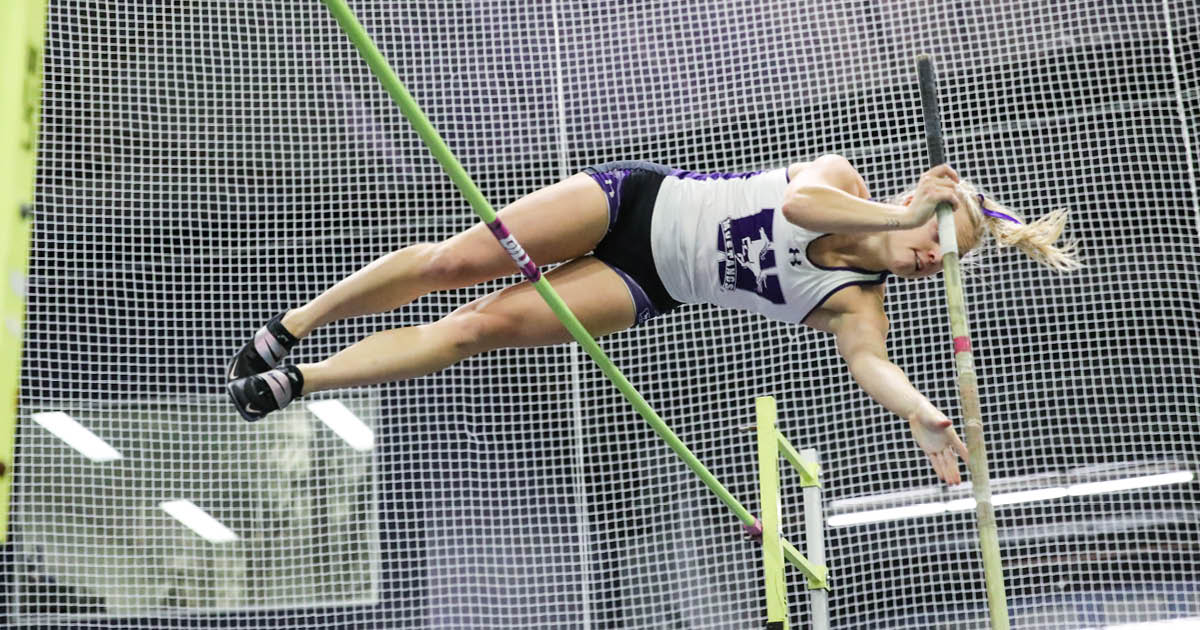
column 472, row 332
column 450, row 268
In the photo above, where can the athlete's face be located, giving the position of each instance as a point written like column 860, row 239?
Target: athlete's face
column 917, row 252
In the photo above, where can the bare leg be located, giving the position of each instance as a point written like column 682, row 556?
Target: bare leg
column 557, row 223
column 514, row 317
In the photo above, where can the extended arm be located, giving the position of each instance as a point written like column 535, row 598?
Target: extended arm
column 861, row 342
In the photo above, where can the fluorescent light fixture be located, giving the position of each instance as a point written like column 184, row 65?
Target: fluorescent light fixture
column 199, row 521
column 1133, row 483
column 962, row 505
column 1008, row 498
column 1025, row 496
column 77, row 436
column 1183, row 623
column 337, row 417
column 890, row 514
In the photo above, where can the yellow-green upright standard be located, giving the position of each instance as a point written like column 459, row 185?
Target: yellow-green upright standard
column 768, row 480
column 22, row 27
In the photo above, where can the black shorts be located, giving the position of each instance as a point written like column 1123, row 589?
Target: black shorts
column 631, row 188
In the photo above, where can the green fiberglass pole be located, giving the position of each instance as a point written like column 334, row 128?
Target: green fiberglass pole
column 408, row 106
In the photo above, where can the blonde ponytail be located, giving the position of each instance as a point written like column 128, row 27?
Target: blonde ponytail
column 1037, row 240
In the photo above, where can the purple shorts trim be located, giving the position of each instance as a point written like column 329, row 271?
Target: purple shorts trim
column 611, row 183
column 631, row 187
column 643, row 308
column 611, row 178
column 682, row 174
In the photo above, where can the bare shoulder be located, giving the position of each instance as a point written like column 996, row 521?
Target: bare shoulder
column 853, row 301
column 829, row 170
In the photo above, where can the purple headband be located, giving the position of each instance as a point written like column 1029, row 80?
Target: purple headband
column 994, row 213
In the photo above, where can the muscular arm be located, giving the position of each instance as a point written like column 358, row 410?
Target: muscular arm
column 860, row 340
column 828, row 196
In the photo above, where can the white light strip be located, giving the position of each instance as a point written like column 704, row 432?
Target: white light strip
column 891, row 514
column 1133, row 483
column 77, row 436
column 337, row 417
column 1183, row 623
column 199, row 521
column 1024, row 496
column 1008, row 498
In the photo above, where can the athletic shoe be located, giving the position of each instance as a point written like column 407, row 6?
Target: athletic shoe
column 269, row 346
column 259, row 394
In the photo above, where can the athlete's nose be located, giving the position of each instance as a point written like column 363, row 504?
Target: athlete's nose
column 934, row 256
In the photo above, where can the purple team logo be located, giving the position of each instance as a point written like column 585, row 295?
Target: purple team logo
column 746, row 243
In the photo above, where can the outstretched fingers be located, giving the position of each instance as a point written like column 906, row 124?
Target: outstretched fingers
column 945, row 464
column 959, row 447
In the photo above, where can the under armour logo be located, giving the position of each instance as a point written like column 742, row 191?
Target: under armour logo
column 794, row 256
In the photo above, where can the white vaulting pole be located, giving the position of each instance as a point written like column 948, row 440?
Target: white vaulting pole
column 968, row 385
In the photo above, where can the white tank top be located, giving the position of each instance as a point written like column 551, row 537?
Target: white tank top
column 722, row 239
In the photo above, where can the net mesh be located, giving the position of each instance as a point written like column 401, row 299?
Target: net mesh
column 206, row 165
